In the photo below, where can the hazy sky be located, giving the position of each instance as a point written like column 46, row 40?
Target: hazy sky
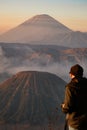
column 72, row 13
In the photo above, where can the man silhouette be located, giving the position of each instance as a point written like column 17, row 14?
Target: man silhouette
column 75, row 101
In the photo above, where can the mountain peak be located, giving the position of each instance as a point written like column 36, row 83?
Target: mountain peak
column 27, row 97
column 46, row 21
column 40, row 18
column 39, row 29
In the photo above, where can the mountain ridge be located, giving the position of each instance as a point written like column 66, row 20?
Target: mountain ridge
column 31, row 97
column 44, row 30
column 43, row 18
column 40, row 28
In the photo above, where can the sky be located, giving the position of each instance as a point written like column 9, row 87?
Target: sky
column 72, row 13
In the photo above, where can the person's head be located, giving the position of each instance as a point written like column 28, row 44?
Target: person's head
column 76, row 71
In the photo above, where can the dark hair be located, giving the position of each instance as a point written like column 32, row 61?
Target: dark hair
column 77, row 70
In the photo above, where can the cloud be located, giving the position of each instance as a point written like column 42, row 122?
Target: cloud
column 4, row 62
column 27, row 59
column 56, row 68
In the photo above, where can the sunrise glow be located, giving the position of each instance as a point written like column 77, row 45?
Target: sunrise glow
column 72, row 13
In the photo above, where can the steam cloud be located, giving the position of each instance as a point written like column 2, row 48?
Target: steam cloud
column 30, row 60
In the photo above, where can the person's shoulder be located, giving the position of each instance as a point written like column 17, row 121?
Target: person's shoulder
column 70, row 85
column 84, row 79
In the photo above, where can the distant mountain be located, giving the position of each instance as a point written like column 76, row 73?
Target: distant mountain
column 40, row 29
column 44, row 30
column 74, row 39
column 31, row 98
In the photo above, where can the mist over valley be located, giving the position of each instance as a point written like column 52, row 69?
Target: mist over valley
column 55, row 59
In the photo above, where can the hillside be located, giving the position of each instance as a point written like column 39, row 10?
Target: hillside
column 40, row 29
column 31, row 98
column 44, row 30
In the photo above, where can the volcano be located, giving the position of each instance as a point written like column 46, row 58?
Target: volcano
column 40, row 29
column 31, row 97
column 44, row 30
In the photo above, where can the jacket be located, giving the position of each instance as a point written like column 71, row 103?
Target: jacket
column 76, row 103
